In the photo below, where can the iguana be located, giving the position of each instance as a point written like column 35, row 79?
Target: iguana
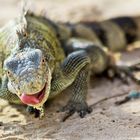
column 40, row 58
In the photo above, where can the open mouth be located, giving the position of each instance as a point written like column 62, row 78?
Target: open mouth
column 35, row 98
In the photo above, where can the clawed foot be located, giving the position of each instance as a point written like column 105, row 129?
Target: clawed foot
column 36, row 112
column 81, row 108
column 124, row 72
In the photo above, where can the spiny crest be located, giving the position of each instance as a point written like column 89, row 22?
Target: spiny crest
column 25, row 7
column 15, row 31
column 22, row 36
column 22, row 31
column 24, row 11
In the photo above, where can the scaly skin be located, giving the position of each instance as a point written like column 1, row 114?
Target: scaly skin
column 42, row 58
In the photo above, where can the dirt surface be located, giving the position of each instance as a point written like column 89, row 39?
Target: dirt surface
column 107, row 121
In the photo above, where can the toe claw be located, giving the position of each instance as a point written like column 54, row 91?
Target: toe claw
column 81, row 108
column 89, row 110
column 37, row 113
column 34, row 111
column 30, row 110
column 67, row 115
column 82, row 113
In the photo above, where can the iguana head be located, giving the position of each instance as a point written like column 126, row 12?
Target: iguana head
column 28, row 73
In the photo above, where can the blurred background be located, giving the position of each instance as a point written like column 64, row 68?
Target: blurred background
column 72, row 10
column 106, row 121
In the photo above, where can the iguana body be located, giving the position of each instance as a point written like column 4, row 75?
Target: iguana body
column 42, row 58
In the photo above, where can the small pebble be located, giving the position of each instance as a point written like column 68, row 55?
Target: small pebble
column 103, row 108
column 113, row 120
column 13, row 116
column 100, row 129
column 134, row 113
column 102, row 113
column 58, row 120
column 1, row 123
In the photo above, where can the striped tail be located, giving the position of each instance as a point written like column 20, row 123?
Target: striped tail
column 113, row 33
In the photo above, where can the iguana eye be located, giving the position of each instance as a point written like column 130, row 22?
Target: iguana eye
column 43, row 60
column 8, row 73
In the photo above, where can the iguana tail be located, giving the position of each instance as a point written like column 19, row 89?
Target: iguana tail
column 113, row 33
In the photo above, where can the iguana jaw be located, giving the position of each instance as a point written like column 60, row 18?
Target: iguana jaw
column 35, row 98
column 38, row 99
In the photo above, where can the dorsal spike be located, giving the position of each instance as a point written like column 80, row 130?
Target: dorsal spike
column 22, row 36
column 25, row 7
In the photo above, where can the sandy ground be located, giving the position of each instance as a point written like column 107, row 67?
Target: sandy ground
column 107, row 121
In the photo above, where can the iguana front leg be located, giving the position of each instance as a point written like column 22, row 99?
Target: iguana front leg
column 75, row 72
column 77, row 103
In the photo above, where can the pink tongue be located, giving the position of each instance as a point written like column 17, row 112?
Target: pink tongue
column 29, row 99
